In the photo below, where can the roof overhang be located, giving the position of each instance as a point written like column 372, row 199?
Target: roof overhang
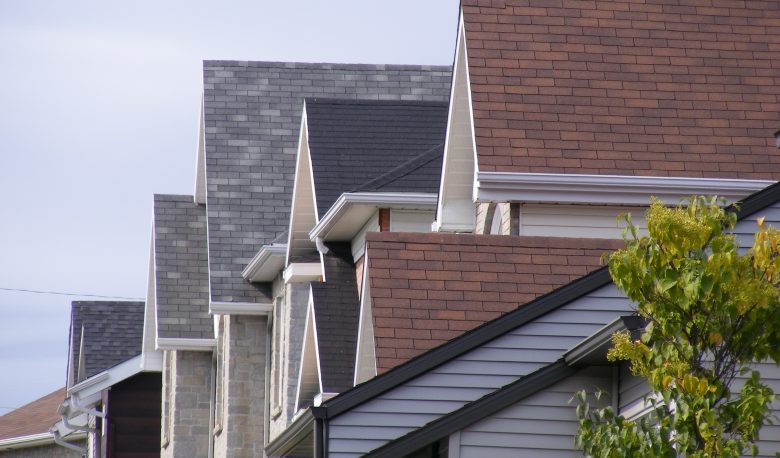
column 605, row 189
column 593, row 350
column 299, row 435
column 89, row 391
column 266, row 264
column 303, row 272
column 240, row 308
column 168, row 343
column 352, row 210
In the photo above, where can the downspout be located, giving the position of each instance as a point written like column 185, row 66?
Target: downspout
column 212, row 402
column 64, row 410
column 62, row 442
column 319, row 438
column 267, row 406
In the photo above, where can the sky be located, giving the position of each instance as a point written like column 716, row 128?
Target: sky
column 99, row 106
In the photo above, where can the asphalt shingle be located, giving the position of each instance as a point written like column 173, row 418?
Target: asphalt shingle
column 252, row 115
column 181, row 268
column 112, row 334
column 336, row 312
column 374, row 146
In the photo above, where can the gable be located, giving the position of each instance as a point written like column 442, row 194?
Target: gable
column 619, row 88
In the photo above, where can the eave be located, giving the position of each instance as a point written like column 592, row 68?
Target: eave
column 605, row 189
column 352, row 210
column 88, row 392
column 296, row 434
column 240, row 308
column 266, row 264
column 188, row 344
column 34, row 440
column 593, row 350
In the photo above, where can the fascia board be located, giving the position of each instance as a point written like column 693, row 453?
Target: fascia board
column 348, row 200
column 266, row 264
column 87, row 389
column 300, row 272
column 605, row 189
column 166, row 343
column 240, row 308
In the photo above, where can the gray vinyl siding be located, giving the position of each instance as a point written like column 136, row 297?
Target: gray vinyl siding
column 590, row 221
column 632, row 389
column 542, row 425
column 747, row 226
column 473, row 375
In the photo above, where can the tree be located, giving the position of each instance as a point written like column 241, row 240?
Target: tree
column 711, row 312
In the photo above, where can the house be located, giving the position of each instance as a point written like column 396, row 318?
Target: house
column 24, row 432
column 224, row 323
column 113, row 389
column 562, row 116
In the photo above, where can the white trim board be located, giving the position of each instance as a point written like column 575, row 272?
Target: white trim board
column 240, row 308
column 173, row 343
column 605, row 189
column 354, row 209
column 266, row 264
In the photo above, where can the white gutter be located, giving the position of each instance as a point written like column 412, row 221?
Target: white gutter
column 347, row 200
column 32, row 440
column 267, row 263
column 605, row 189
column 240, row 308
column 167, row 343
column 63, row 443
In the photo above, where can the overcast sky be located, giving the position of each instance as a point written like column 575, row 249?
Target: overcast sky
column 99, row 110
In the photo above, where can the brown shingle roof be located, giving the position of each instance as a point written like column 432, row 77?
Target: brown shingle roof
column 669, row 88
column 34, row 418
column 428, row 288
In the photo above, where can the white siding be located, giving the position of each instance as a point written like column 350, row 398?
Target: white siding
column 473, row 375
column 542, row 425
column 359, row 241
column 411, row 221
column 590, row 221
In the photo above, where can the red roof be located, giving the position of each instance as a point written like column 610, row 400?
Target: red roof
column 668, row 88
column 428, row 288
column 34, row 418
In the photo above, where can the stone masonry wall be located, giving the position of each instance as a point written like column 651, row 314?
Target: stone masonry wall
column 187, row 395
column 44, row 451
column 244, row 387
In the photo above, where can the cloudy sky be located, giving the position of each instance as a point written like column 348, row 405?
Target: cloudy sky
column 98, row 111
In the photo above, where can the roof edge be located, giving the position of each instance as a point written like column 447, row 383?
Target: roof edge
column 476, row 410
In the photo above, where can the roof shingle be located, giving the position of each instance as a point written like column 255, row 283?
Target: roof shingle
column 181, row 268
column 428, row 288
column 33, row 418
column 252, row 114
column 672, row 88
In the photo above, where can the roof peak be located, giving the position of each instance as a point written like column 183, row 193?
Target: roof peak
column 319, row 65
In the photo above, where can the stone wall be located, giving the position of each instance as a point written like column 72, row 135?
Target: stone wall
column 44, row 451
column 244, row 343
column 186, row 404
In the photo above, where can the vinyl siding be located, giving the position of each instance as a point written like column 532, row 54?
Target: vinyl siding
column 631, row 391
column 359, row 241
column 542, row 425
column 472, row 375
column 590, row 221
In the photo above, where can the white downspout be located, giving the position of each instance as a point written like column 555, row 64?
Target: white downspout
column 62, row 442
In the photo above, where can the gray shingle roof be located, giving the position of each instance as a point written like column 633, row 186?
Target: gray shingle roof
column 113, row 333
column 181, row 268
column 252, row 115
column 337, row 311
column 354, row 144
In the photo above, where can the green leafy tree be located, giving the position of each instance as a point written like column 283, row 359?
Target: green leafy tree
column 712, row 311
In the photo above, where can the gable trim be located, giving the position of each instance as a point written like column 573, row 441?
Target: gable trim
column 605, row 189
column 476, row 410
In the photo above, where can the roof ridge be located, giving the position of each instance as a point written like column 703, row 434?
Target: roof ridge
column 323, row 65
column 403, row 169
column 368, row 101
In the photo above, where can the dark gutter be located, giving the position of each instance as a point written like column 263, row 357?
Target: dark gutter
column 292, row 436
column 475, row 411
column 593, row 350
column 757, row 201
column 466, row 342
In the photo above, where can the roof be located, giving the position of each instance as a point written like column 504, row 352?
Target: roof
column 112, row 334
column 33, row 418
column 428, row 288
column 354, row 144
column 181, row 268
column 499, row 326
column 252, row 115
column 336, row 312
column 673, row 88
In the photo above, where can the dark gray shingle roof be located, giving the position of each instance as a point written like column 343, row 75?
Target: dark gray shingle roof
column 374, row 146
column 336, row 311
column 181, row 268
column 112, row 333
column 252, row 116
